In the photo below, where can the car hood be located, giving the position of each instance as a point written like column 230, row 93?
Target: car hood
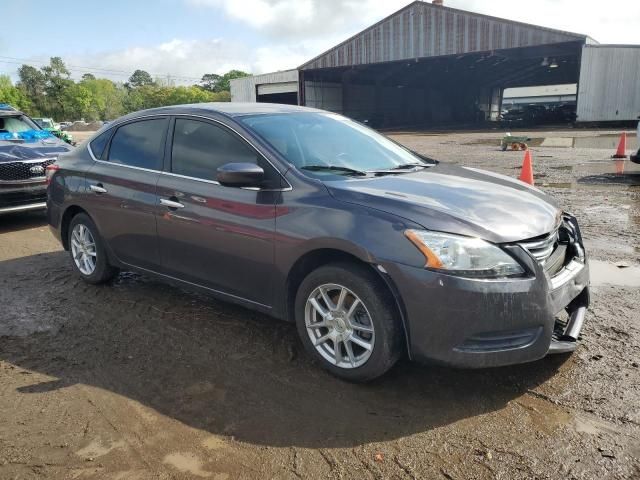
column 13, row 151
column 458, row 200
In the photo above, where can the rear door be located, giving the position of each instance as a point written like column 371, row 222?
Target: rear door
column 122, row 190
column 216, row 236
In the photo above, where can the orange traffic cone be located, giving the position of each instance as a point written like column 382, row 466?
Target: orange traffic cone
column 527, row 168
column 622, row 147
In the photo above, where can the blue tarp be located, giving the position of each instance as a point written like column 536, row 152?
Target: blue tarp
column 28, row 135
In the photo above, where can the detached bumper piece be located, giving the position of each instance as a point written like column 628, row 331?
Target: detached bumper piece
column 566, row 336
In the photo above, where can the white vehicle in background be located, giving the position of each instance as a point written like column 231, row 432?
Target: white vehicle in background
column 46, row 123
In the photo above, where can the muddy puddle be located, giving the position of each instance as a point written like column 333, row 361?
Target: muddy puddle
column 589, row 174
column 603, row 142
column 606, row 273
column 609, row 142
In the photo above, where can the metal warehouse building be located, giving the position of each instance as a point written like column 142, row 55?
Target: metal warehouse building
column 432, row 65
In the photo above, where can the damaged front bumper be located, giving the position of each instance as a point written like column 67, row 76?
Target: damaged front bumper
column 476, row 323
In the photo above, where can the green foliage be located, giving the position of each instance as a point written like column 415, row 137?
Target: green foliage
column 56, row 84
column 32, row 84
column 151, row 96
column 210, row 82
column 220, row 83
column 140, row 78
column 13, row 95
column 50, row 92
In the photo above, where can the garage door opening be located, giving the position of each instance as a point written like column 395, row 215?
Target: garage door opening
column 285, row 92
column 287, row 98
column 451, row 91
column 539, row 105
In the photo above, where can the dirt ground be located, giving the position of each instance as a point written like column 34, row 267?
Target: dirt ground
column 140, row 380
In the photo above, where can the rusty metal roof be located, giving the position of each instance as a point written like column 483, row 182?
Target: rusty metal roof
column 422, row 30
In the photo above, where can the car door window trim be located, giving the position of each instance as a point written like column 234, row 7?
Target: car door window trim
column 130, row 166
column 149, row 118
column 288, row 188
column 114, row 129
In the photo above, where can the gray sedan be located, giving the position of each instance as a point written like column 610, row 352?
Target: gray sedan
column 374, row 251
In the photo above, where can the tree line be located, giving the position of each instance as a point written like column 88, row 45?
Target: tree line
column 50, row 91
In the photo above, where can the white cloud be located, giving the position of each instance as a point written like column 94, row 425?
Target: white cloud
column 305, row 19
column 185, row 61
column 181, row 59
column 614, row 21
column 294, row 31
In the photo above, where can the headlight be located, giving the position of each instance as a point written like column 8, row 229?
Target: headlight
column 463, row 256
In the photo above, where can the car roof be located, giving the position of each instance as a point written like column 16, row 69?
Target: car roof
column 229, row 109
column 5, row 113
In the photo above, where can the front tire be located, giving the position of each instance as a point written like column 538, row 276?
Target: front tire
column 88, row 256
column 347, row 321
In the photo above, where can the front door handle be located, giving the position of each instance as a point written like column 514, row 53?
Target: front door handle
column 98, row 188
column 170, row 203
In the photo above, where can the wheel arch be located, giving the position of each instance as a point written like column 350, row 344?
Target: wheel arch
column 70, row 212
column 316, row 258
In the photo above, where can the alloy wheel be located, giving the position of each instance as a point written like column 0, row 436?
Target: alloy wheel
column 83, row 249
column 339, row 326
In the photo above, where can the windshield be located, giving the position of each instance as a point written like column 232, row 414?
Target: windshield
column 43, row 122
column 16, row 124
column 328, row 144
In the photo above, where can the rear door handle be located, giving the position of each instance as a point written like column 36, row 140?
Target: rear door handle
column 170, row 203
column 98, row 188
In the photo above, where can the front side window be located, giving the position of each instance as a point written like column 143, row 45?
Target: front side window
column 200, row 148
column 139, row 144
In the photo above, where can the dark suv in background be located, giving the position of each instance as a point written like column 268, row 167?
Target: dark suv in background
column 372, row 250
column 25, row 152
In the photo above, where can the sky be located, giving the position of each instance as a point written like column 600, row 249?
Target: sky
column 184, row 39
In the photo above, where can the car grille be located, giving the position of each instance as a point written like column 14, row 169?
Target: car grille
column 21, row 171
column 541, row 248
column 15, row 199
column 555, row 250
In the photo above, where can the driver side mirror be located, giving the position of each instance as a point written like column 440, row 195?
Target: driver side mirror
column 240, row 175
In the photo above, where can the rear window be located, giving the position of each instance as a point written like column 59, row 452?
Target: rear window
column 139, row 144
column 99, row 143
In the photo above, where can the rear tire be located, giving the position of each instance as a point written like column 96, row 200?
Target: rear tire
column 347, row 321
column 86, row 248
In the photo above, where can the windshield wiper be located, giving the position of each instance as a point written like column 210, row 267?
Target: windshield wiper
column 334, row 168
column 407, row 166
column 399, row 168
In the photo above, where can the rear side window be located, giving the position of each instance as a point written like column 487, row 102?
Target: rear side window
column 200, row 148
column 99, row 143
column 139, row 144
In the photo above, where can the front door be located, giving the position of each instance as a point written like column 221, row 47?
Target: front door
column 121, row 189
column 211, row 235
